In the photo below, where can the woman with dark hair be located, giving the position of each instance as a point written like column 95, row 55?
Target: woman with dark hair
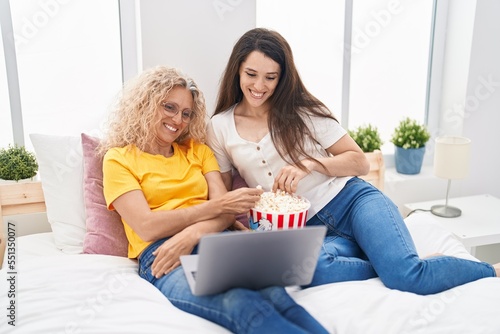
column 276, row 134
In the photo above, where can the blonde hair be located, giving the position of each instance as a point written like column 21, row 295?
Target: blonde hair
column 135, row 114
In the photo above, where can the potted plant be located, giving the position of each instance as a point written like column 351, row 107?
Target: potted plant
column 367, row 137
column 16, row 163
column 409, row 138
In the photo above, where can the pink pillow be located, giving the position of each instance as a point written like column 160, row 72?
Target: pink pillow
column 105, row 233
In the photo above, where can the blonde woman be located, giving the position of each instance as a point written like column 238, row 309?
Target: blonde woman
column 166, row 185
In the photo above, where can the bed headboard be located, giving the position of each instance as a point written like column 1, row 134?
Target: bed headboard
column 15, row 199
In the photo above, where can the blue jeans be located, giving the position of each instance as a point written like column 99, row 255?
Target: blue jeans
column 269, row 310
column 367, row 237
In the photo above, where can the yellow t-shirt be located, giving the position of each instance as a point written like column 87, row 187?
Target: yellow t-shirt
column 167, row 183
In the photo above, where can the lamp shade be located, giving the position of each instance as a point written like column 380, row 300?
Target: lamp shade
column 451, row 157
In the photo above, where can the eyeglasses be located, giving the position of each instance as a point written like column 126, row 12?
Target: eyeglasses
column 171, row 109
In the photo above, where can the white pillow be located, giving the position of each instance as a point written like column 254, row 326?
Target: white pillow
column 431, row 237
column 61, row 172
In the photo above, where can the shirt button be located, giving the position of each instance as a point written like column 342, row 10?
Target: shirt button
column 263, row 161
column 258, row 148
column 269, row 173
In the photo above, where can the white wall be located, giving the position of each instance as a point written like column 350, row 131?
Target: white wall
column 196, row 36
column 482, row 112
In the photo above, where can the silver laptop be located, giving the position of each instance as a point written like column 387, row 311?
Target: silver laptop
column 253, row 260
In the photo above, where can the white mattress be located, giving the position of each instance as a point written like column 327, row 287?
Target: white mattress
column 60, row 293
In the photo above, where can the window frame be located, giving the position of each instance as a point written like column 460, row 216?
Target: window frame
column 434, row 71
column 12, row 73
column 18, row 107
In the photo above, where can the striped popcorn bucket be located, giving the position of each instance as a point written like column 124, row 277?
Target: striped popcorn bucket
column 266, row 221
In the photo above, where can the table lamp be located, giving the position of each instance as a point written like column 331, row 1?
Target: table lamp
column 451, row 161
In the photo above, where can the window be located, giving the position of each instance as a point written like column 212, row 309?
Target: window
column 389, row 56
column 6, row 136
column 69, row 64
column 389, row 63
column 315, row 32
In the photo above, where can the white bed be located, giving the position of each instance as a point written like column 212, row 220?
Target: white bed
column 61, row 290
column 92, row 293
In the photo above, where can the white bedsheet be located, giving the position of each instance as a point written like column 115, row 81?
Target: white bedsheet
column 60, row 293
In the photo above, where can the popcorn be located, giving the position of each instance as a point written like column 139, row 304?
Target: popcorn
column 281, row 201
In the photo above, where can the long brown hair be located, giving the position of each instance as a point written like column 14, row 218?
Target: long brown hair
column 290, row 102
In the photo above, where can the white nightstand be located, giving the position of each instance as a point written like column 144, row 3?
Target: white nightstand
column 479, row 224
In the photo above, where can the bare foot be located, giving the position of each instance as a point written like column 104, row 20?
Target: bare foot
column 433, row 255
column 497, row 269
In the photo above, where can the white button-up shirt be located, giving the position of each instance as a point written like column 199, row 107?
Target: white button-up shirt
column 259, row 163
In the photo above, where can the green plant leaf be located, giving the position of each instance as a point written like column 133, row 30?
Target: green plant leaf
column 410, row 134
column 16, row 163
column 367, row 137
